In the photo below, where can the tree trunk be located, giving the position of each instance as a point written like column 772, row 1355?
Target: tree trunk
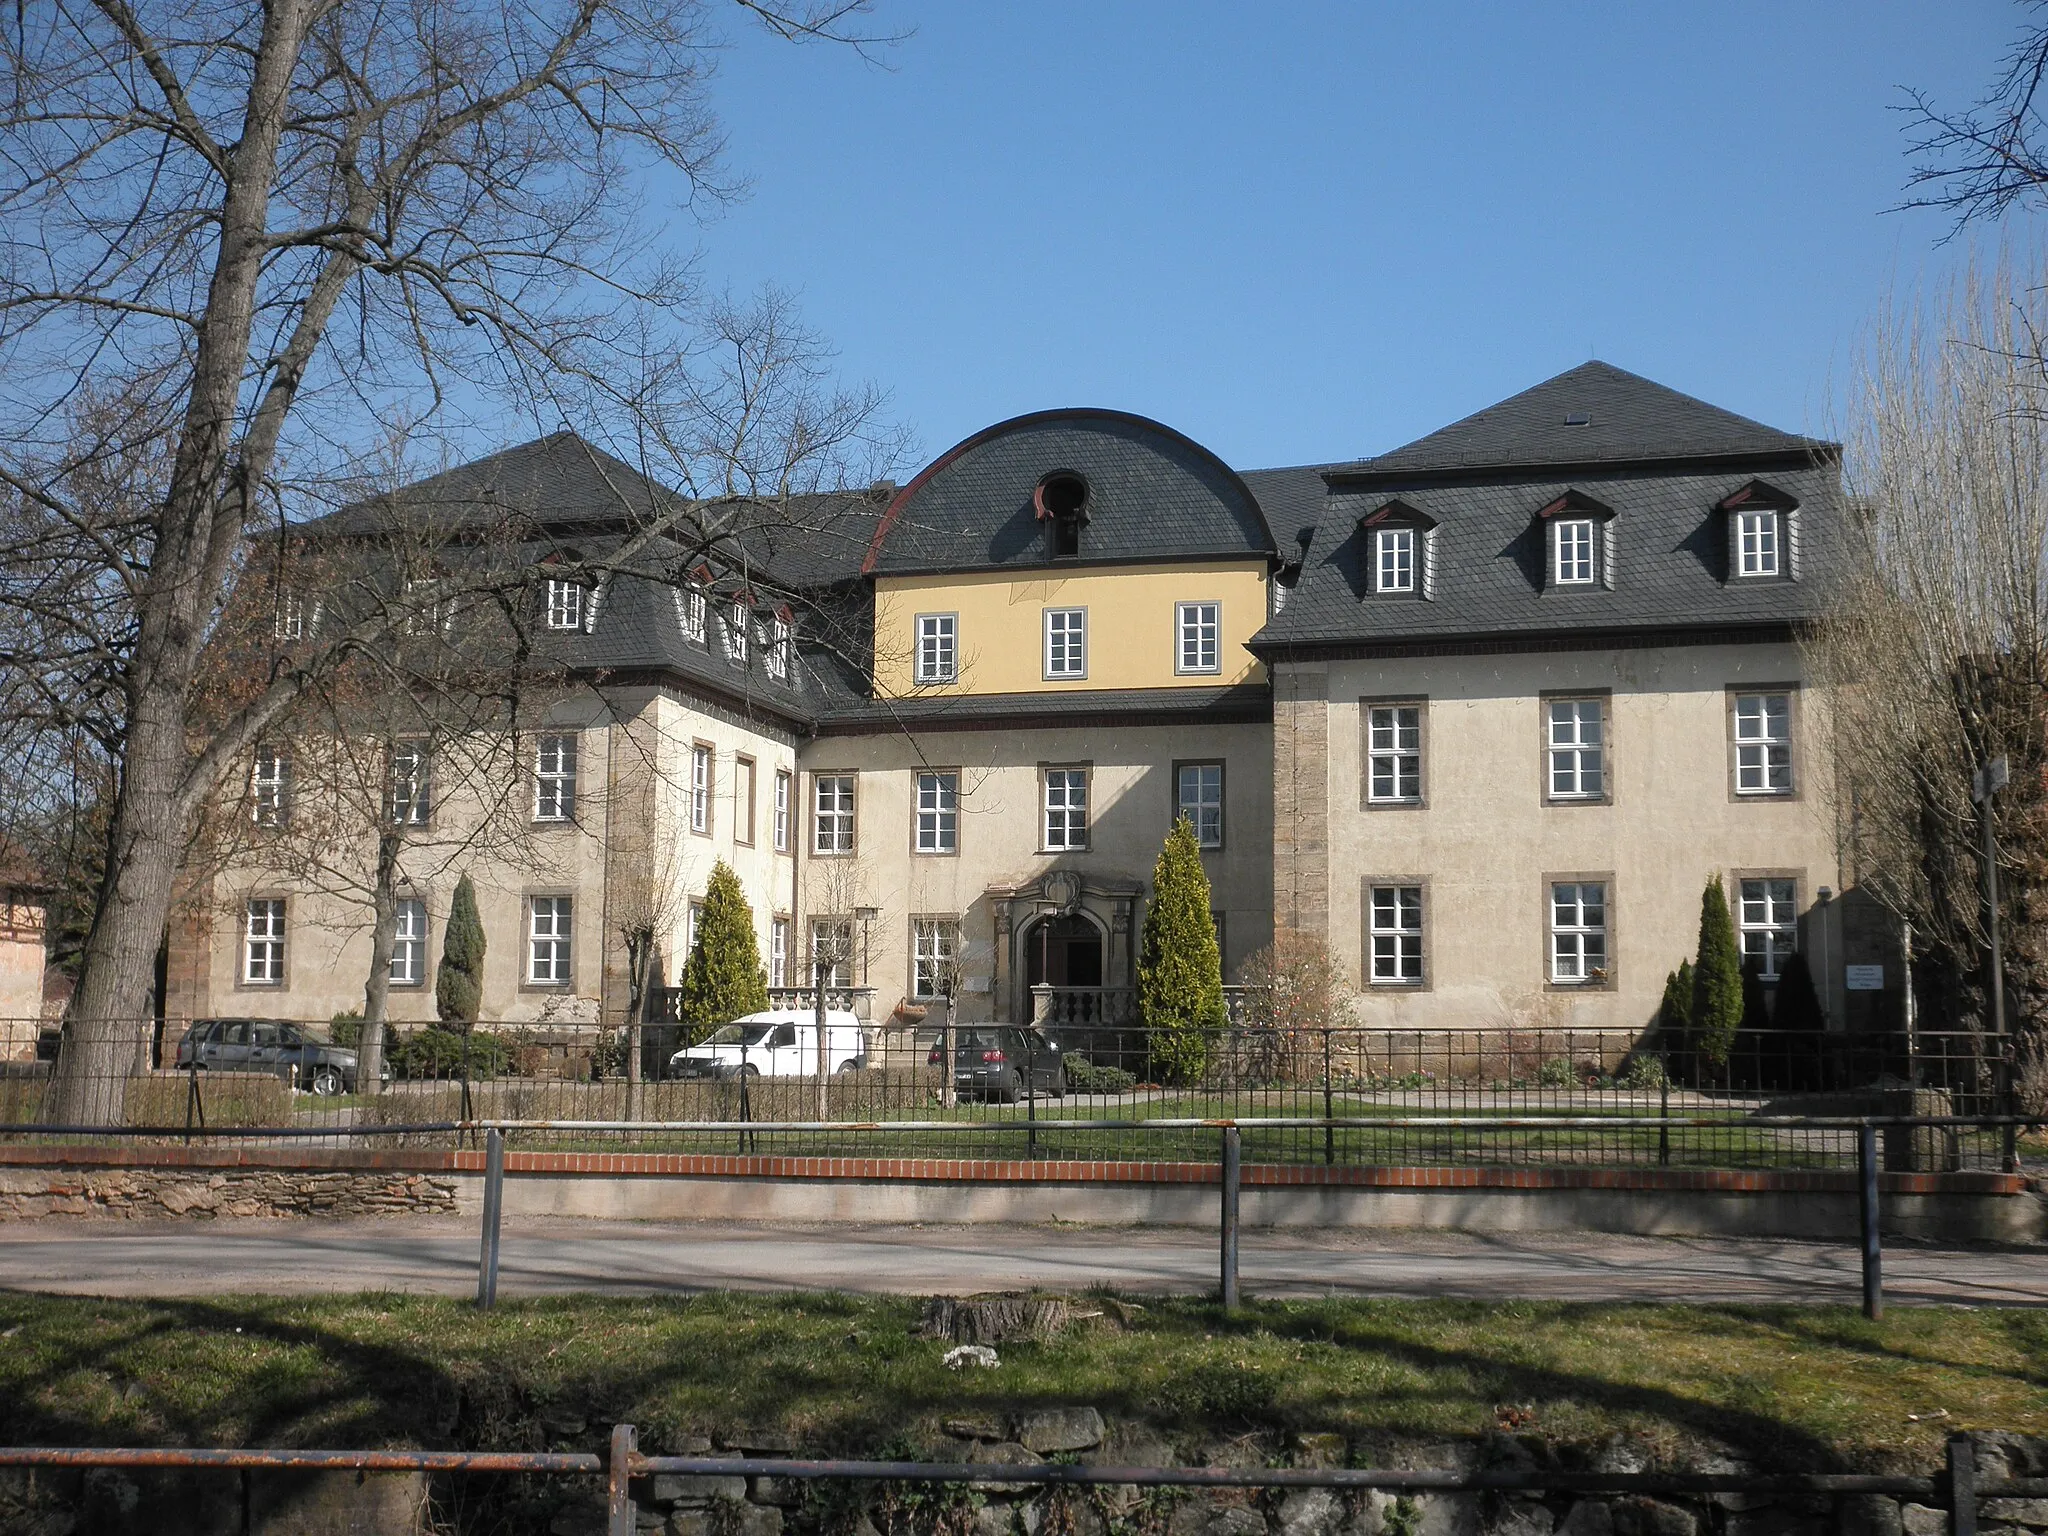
column 383, row 939
column 824, row 1054
column 110, row 1014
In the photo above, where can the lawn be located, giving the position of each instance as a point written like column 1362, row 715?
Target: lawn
column 1793, row 1387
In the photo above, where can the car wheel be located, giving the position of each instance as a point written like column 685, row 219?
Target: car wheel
column 327, row 1081
column 750, row 1070
column 848, row 1065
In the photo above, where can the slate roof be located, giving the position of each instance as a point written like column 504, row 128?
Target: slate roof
column 1660, row 460
column 1153, row 494
column 1627, row 419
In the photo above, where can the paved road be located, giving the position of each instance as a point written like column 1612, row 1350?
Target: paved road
column 539, row 1256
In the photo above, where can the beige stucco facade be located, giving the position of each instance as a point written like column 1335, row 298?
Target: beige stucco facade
column 1131, row 625
column 995, row 884
column 629, row 840
column 1487, row 840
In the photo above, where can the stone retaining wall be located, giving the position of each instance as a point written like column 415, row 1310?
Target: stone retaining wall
column 196, row 1193
column 189, row 1503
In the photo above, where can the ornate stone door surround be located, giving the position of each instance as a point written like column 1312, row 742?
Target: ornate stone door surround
column 1110, row 904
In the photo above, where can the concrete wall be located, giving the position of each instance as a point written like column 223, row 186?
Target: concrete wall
column 1948, row 1217
column 1131, row 636
column 1132, row 794
column 1485, row 839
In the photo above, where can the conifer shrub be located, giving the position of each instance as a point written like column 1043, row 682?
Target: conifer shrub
column 722, row 977
column 1180, row 969
column 459, row 981
column 1716, row 981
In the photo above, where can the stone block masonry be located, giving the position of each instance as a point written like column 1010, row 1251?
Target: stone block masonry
column 197, row 1193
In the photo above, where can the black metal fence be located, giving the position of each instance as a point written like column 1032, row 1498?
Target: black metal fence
column 1006, row 1081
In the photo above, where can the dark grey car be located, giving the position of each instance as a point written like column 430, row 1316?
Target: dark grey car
column 269, row 1045
column 990, row 1061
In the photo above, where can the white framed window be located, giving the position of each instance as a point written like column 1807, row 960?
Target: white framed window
column 263, row 942
column 1200, row 626
column 425, row 613
column 938, row 812
column 1394, row 559
column 554, row 778
column 1756, row 542
column 1393, row 754
column 1577, row 748
column 938, row 647
column 290, row 623
column 1571, row 551
column 778, row 952
column 270, row 787
column 934, row 941
column 409, row 944
column 700, row 789
column 411, row 778
column 1578, row 932
column 832, row 951
column 1198, row 795
column 549, row 922
column 781, row 812
column 690, row 610
column 1066, row 809
column 1763, row 743
column 1394, row 931
column 693, row 924
column 1767, row 916
column 776, row 656
column 1066, row 642
column 737, row 617
column 565, row 602
column 832, row 813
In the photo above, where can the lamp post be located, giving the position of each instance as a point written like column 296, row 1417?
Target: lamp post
column 1985, row 783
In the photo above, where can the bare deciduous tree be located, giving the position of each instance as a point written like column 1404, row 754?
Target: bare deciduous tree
column 218, row 217
column 1980, row 161
column 1936, row 647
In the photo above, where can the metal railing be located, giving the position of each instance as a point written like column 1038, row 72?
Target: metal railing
column 627, row 1475
column 1350, row 1097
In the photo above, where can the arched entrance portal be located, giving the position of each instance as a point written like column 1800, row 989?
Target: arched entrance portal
column 1063, row 952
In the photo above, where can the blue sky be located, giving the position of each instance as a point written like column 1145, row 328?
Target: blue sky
column 1305, row 232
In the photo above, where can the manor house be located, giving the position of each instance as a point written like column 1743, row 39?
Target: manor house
column 1483, row 712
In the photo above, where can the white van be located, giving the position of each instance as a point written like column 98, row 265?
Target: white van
column 782, row 1042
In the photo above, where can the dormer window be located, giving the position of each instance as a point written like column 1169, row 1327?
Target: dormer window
column 1060, row 501
column 1401, row 549
column 565, row 604
column 736, row 619
column 1571, row 552
column 1756, row 543
column 1763, row 533
column 1394, row 559
column 1578, row 538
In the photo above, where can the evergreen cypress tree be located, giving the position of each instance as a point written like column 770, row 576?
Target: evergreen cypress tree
column 722, row 978
column 1180, row 969
column 1674, row 1014
column 1716, row 980
column 459, row 981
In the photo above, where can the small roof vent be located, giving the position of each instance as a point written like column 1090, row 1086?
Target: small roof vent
column 1577, row 419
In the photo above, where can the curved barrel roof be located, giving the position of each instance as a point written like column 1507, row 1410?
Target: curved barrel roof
column 1153, row 494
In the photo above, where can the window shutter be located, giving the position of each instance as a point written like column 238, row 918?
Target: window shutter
column 1792, row 542
column 1428, row 564
column 1607, row 554
column 1734, row 545
column 591, row 602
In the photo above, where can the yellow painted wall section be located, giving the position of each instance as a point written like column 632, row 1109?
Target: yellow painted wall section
column 1132, row 641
